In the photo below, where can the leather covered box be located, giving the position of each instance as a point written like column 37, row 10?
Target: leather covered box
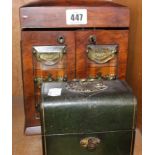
column 88, row 117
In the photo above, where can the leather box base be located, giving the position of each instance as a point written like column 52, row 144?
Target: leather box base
column 111, row 143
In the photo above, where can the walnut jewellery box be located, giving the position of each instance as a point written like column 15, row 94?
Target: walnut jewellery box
column 74, row 58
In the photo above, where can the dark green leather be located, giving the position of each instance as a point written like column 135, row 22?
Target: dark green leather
column 112, row 143
column 109, row 114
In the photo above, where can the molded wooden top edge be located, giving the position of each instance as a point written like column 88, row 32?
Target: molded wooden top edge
column 52, row 14
column 72, row 3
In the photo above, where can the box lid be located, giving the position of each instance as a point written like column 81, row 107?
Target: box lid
column 66, row 109
column 53, row 14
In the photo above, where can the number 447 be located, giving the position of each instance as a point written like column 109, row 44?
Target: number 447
column 76, row 17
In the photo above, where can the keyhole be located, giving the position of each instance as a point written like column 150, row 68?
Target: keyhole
column 61, row 39
column 92, row 39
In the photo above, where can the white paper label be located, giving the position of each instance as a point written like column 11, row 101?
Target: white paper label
column 76, row 16
column 54, row 92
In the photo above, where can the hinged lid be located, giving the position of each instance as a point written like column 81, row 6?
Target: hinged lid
column 109, row 106
column 54, row 14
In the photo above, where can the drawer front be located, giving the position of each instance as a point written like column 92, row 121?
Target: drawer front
column 101, row 53
column 46, row 56
column 111, row 143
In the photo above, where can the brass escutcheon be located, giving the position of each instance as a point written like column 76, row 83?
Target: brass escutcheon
column 61, row 39
column 92, row 39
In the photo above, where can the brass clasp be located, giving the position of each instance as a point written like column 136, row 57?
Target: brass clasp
column 90, row 143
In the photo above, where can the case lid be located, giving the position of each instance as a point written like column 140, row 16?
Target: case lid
column 74, row 108
column 55, row 14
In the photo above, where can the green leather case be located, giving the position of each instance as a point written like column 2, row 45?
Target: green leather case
column 88, row 123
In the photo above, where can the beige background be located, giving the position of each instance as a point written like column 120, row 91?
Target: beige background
column 134, row 70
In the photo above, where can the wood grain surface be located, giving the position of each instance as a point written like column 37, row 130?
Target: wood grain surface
column 104, row 37
column 134, row 69
column 107, row 16
column 43, row 38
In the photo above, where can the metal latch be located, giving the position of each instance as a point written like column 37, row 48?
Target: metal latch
column 90, row 143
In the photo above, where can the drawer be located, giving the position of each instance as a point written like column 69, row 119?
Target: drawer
column 109, row 143
column 94, row 53
column 37, row 49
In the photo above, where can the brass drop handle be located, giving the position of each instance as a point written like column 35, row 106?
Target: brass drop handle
column 90, row 143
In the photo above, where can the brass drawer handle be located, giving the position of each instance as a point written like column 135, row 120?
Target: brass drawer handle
column 101, row 53
column 90, row 143
column 49, row 55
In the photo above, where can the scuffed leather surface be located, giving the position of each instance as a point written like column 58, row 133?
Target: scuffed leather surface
column 110, row 110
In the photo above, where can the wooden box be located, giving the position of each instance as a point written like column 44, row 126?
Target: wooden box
column 65, row 40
